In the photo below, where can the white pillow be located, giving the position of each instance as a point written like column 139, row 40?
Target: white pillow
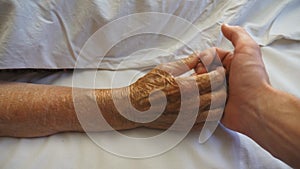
column 51, row 34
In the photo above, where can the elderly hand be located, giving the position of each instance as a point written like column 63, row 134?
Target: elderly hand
column 164, row 83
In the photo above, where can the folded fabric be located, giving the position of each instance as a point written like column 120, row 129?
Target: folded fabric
column 51, row 34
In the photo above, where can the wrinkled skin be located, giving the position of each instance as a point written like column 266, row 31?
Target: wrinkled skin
column 41, row 110
column 166, row 78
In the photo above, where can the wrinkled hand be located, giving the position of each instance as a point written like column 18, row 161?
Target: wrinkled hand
column 164, row 83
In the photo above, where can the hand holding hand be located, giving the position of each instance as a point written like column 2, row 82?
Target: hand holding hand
column 166, row 78
column 248, row 79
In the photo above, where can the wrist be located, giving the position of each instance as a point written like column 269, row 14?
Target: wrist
column 106, row 99
column 253, row 116
column 275, row 123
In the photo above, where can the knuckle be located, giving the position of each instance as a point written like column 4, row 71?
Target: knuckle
column 203, row 82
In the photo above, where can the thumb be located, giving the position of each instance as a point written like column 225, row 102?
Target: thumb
column 238, row 36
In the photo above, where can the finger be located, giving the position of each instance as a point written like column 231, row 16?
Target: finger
column 206, row 57
column 214, row 67
column 223, row 54
column 167, row 121
column 215, row 99
column 210, row 115
column 157, row 125
column 206, row 82
column 240, row 39
column 225, row 57
column 197, row 126
column 200, row 69
column 210, row 81
column 163, row 122
column 181, row 66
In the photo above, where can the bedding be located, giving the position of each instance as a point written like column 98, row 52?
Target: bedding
column 51, row 34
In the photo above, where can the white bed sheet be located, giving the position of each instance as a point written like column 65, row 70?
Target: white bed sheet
column 226, row 149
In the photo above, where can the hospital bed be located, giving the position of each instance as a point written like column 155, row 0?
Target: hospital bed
column 52, row 35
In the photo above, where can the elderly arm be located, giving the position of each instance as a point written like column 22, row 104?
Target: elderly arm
column 33, row 110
